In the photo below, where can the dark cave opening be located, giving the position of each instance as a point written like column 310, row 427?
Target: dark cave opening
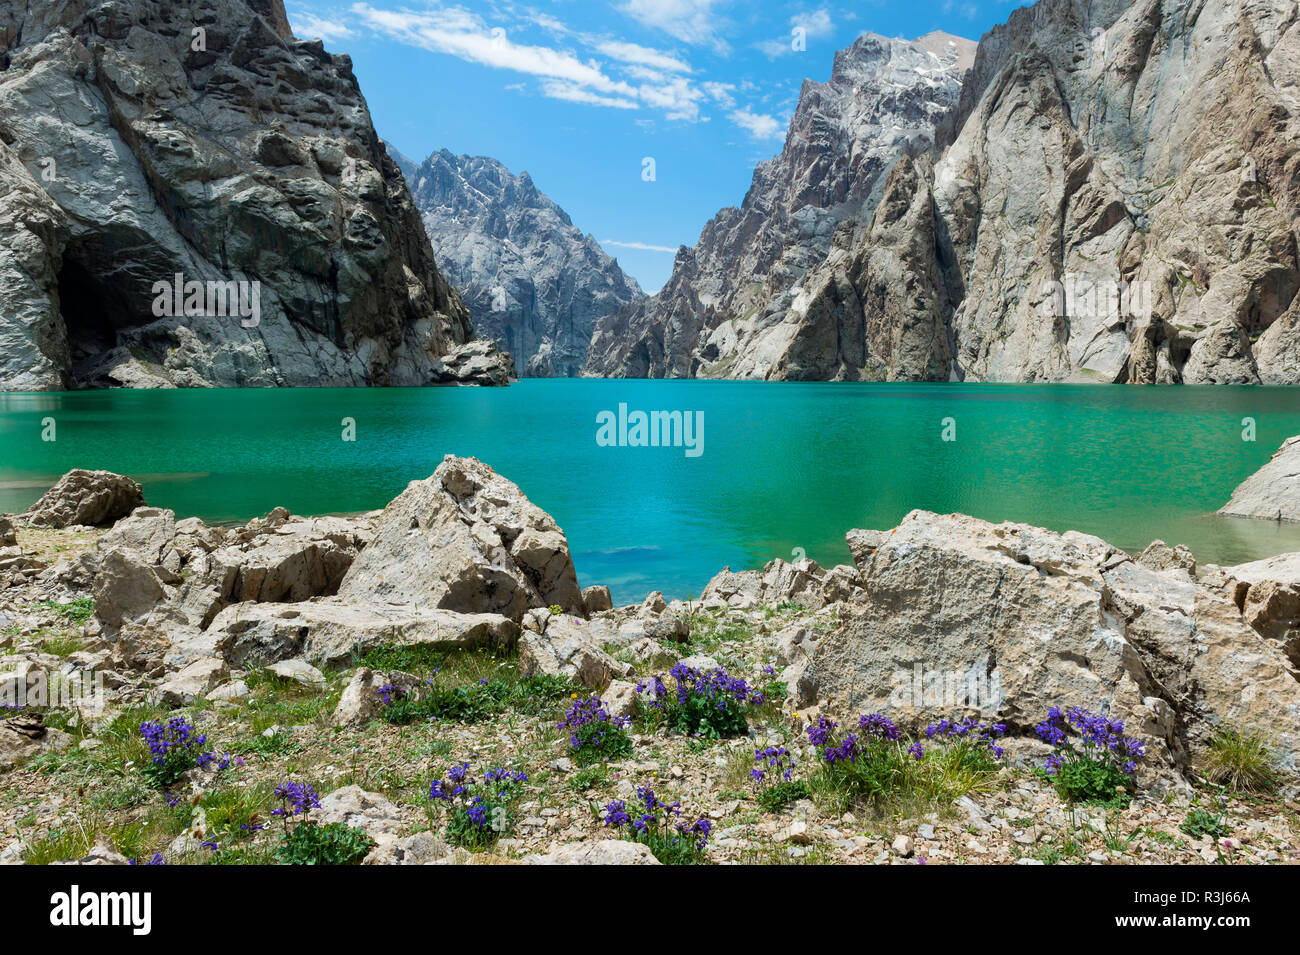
column 95, row 308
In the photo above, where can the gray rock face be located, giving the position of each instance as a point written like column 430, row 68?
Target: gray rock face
column 723, row 313
column 145, row 141
column 86, row 497
column 1082, row 217
column 534, row 283
column 1273, row 492
column 959, row 615
column 465, row 539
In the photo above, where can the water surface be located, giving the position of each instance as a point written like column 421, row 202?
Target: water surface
column 785, row 468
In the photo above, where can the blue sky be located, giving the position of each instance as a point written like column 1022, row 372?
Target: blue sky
column 581, row 93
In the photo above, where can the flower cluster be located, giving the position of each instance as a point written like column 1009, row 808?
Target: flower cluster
column 176, row 747
column 1100, row 737
column 1103, row 767
column 968, row 729
column 774, row 760
column 659, row 825
column 295, row 799
column 703, row 702
column 872, row 728
column 593, row 733
column 479, row 812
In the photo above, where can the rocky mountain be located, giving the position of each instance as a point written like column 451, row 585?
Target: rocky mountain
column 534, row 283
column 723, row 311
column 1116, row 197
column 190, row 196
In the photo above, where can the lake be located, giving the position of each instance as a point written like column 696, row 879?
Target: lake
column 782, row 469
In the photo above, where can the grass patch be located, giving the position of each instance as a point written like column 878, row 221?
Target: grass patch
column 1240, row 761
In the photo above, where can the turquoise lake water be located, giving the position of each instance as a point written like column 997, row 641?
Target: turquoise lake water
column 785, row 468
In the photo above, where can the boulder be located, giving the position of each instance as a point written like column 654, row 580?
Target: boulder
column 569, row 647
column 8, row 536
column 146, row 532
column 1273, row 492
column 960, row 616
column 620, row 698
column 1268, row 593
column 477, row 362
column 465, row 539
column 370, row 812
column 289, row 561
column 299, row 671
column 327, row 632
column 86, row 497
column 191, row 683
column 361, row 703
column 597, row 600
column 423, row 848
column 595, row 852
column 126, row 589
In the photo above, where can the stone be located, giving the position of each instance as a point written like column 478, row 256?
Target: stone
column 299, row 671
column 327, row 632
column 423, row 848
column 361, row 703
column 567, row 649
column 145, row 532
column 902, row 846
column 126, row 589
column 465, row 539
column 1273, row 492
column 234, row 690
column 370, row 812
column 85, row 497
column 24, row 737
column 620, row 698
column 1008, row 620
column 191, row 683
column 595, row 852
column 597, row 600
column 101, row 853
column 8, row 536
column 474, row 363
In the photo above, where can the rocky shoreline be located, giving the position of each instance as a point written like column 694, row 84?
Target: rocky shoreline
column 291, row 636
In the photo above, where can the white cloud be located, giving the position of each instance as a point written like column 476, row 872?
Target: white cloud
column 814, row 25
column 758, row 125
column 720, row 93
column 461, row 34
column 309, row 26
column 644, row 247
column 571, row 92
column 691, row 21
column 642, row 56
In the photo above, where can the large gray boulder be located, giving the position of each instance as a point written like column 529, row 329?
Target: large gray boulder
column 329, row 632
column 1273, row 492
column 86, row 497
column 465, row 539
column 962, row 616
